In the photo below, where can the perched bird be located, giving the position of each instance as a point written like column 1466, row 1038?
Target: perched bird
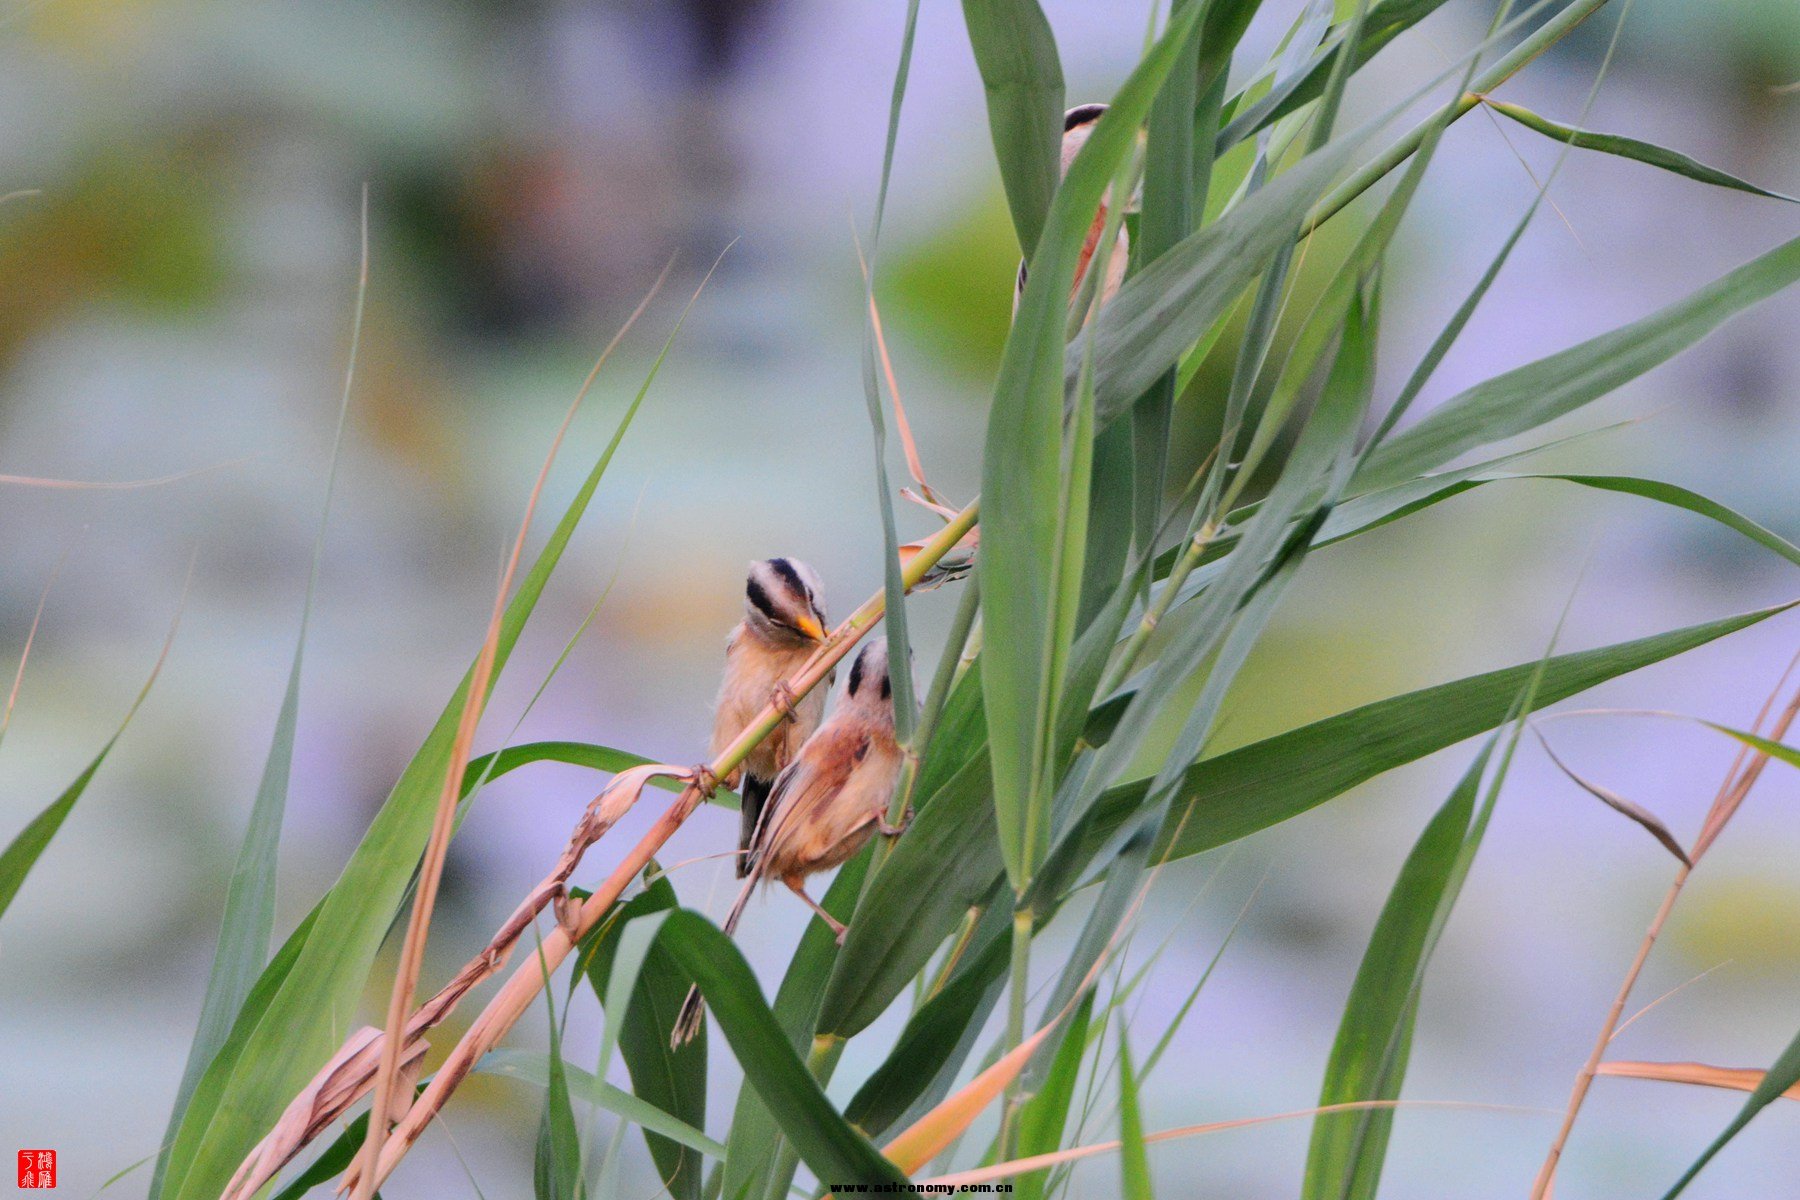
column 1078, row 123
column 826, row 804
column 782, row 626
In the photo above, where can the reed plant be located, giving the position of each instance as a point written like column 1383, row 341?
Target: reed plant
column 1104, row 603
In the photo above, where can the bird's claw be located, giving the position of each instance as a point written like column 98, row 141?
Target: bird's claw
column 781, row 699
column 568, row 914
column 889, row 828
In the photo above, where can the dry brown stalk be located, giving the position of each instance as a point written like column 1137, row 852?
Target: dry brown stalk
column 349, row 1075
column 12, row 696
column 418, row 927
column 1730, row 797
column 121, row 485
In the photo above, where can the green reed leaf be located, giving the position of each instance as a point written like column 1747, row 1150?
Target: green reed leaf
column 825, row 1141
column 248, row 921
column 1532, row 395
column 22, row 853
column 1021, row 483
column 672, row 1079
column 655, row 1121
column 1015, row 52
column 1235, row 794
column 1368, row 1058
column 316, row 1001
column 1134, row 1160
column 1783, row 1074
column 1624, row 147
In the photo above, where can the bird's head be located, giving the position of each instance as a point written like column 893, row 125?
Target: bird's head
column 870, row 684
column 781, row 600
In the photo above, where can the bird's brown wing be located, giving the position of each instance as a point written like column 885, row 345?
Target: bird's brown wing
column 819, row 773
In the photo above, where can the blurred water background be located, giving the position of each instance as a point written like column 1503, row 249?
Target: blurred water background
column 177, row 293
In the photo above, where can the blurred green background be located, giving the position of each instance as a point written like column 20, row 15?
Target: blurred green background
column 176, row 291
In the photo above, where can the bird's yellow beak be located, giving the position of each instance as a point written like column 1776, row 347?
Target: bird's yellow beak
column 809, row 625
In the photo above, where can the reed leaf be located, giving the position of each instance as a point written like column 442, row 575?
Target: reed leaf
column 556, row 1164
column 1021, row 483
column 1315, row 471
column 1165, row 308
column 1385, row 21
column 1625, row 147
column 1374, row 509
column 248, row 921
column 899, row 645
column 824, row 1140
column 1134, row 1160
column 929, row 1041
column 757, row 1159
column 1738, row 1079
column 671, row 1079
column 923, row 1140
column 1782, row 1075
column 1168, row 216
column 1045, row 1116
column 29, row 844
column 1235, row 794
column 1015, row 52
column 293, row 1033
column 535, row 1069
column 1374, row 1038
column 1532, row 395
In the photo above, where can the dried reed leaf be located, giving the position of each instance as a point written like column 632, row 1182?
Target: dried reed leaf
column 1736, row 1079
column 925, row 1138
column 1039, row 1162
column 1637, row 812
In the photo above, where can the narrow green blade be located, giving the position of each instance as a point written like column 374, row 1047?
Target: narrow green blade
column 1624, row 147
column 1134, row 1160
column 1021, row 483
column 556, row 1164
column 22, row 853
column 836, row 1152
column 296, row 1028
column 1781, row 1076
column 1368, row 1058
column 1527, row 397
column 1253, row 787
column 672, row 1079
column 1016, row 54
column 248, row 921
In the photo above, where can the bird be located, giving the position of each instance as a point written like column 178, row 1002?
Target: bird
column 1078, row 123
column 783, row 624
column 825, row 805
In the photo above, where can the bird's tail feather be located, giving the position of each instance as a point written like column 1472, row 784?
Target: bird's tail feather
column 755, row 794
column 693, row 1008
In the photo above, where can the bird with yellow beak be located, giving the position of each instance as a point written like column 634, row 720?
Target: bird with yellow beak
column 783, row 624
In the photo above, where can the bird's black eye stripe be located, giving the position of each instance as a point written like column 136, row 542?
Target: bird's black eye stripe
column 789, row 576
column 1081, row 114
column 856, row 669
column 887, row 687
column 754, row 591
